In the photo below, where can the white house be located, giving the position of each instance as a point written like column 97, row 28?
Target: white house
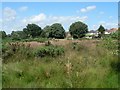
column 107, row 32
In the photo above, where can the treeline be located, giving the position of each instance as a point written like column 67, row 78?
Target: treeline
column 56, row 30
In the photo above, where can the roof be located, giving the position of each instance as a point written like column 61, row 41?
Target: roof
column 112, row 30
column 92, row 31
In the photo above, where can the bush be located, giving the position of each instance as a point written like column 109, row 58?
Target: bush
column 51, row 51
column 41, row 40
column 6, row 52
column 115, row 66
column 15, row 49
column 110, row 44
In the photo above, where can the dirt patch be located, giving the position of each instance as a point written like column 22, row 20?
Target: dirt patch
column 61, row 42
column 34, row 44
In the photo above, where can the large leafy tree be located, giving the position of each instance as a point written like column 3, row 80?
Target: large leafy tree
column 45, row 32
column 3, row 34
column 32, row 30
column 57, row 31
column 78, row 29
column 17, row 35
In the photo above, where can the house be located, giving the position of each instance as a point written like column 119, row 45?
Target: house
column 68, row 36
column 106, row 32
column 91, row 34
column 113, row 30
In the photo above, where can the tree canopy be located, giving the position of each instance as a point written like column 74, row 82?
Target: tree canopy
column 17, row 35
column 57, row 31
column 32, row 30
column 78, row 29
column 3, row 34
column 46, row 31
column 101, row 29
column 54, row 31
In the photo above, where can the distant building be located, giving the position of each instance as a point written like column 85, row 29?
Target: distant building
column 68, row 35
column 113, row 30
column 91, row 34
column 107, row 32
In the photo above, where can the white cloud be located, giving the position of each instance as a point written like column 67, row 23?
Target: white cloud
column 83, row 10
column 23, row 8
column 9, row 14
column 35, row 19
column 95, row 27
column 108, row 25
column 88, row 8
column 44, row 20
column 38, row 18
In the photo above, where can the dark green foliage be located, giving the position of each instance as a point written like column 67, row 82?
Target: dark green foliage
column 18, row 35
column 54, row 31
column 41, row 40
column 51, row 51
column 115, row 35
column 101, row 31
column 57, row 31
column 46, row 31
column 110, row 44
column 6, row 52
column 78, row 29
column 115, row 66
column 3, row 34
column 16, row 48
column 32, row 30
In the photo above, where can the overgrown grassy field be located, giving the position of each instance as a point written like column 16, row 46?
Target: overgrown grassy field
column 62, row 64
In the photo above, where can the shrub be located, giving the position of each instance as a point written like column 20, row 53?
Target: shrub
column 115, row 66
column 6, row 52
column 41, row 40
column 15, row 49
column 51, row 51
column 110, row 44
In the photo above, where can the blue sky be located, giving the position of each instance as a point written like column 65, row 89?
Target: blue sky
column 16, row 15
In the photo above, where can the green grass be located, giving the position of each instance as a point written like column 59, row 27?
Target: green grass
column 87, row 66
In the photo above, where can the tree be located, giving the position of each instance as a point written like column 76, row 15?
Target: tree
column 32, row 30
column 54, row 31
column 101, row 30
column 17, row 35
column 78, row 29
column 57, row 31
column 3, row 34
column 45, row 32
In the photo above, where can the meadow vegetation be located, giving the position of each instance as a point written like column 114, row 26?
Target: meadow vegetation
column 78, row 63
column 49, row 61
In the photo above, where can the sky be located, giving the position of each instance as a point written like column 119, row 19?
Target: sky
column 16, row 15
